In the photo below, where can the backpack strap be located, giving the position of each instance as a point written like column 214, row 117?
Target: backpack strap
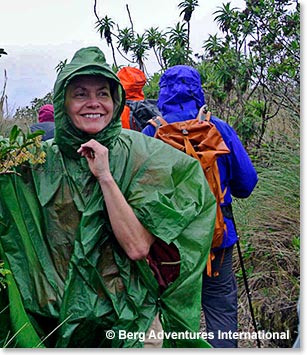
column 132, row 107
column 204, row 114
column 157, row 122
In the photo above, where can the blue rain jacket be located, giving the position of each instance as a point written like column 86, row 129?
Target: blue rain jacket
column 180, row 98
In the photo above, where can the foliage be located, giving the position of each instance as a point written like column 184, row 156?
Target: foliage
column 170, row 47
column 20, row 148
column 188, row 7
column 249, row 126
column 16, row 150
column 257, row 59
column 30, row 113
column 269, row 225
column 151, row 89
column 60, row 66
column 105, row 28
column 3, row 273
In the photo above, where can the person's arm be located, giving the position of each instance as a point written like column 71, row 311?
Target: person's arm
column 237, row 167
column 149, row 130
column 243, row 174
column 130, row 233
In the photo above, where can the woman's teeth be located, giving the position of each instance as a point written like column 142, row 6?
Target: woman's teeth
column 92, row 115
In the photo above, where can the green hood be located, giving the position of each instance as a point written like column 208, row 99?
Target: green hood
column 70, row 280
column 86, row 61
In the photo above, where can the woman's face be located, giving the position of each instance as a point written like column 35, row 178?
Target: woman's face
column 89, row 103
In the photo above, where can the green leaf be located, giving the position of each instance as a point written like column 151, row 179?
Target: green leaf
column 294, row 45
column 292, row 72
column 14, row 133
column 39, row 132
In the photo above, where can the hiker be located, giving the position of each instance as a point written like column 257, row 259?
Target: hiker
column 137, row 110
column 45, row 122
column 180, row 98
column 107, row 240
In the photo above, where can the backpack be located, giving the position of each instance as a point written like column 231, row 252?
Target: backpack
column 200, row 139
column 137, row 113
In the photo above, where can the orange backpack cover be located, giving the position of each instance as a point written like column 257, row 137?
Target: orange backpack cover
column 200, row 139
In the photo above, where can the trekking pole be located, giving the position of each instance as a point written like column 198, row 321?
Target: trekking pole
column 248, row 293
column 245, row 281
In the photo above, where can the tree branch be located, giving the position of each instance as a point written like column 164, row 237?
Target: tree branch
column 130, row 19
column 95, row 10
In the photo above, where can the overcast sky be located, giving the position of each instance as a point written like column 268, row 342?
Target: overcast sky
column 38, row 34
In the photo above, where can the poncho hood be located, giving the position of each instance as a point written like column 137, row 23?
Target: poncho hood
column 180, row 90
column 86, row 61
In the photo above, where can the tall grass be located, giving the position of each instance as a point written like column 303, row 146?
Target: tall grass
column 269, row 226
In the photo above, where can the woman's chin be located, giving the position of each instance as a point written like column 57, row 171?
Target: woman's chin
column 93, row 129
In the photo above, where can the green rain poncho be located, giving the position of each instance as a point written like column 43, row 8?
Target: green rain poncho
column 70, row 280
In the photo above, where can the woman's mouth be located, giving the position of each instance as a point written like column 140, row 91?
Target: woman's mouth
column 92, row 115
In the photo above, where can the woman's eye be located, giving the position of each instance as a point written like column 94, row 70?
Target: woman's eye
column 79, row 94
column 103, row 93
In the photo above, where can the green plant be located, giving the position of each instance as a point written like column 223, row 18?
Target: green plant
column 268, row 223
column 29, row 113
column 170, row 47
column 296, row 242
column 19, row 148
column 151, row 89
column 3, row 273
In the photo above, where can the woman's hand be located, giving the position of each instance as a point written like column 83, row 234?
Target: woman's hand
column 97, row 157
column 128, row 230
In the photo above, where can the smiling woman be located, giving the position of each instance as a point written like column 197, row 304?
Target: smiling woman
column 111, row 233
column 89, row 103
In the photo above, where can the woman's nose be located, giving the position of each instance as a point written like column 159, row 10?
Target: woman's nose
column 93, row 101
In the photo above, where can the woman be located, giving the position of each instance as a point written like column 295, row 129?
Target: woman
column 84, row 234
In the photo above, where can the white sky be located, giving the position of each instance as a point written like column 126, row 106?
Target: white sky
column 38, row 34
